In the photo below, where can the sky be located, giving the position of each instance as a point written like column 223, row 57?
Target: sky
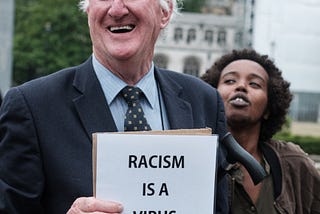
column 289, row 31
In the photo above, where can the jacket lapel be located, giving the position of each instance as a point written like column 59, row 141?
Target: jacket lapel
column 95, row 115
column 179, row 111
column 91, row 104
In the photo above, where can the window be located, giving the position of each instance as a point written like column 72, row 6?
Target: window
column 238, row 39
column 305, row 107
column 222, row 37
column 191, row 66
column 191, row 35
column 208, row 36
column 178, row 34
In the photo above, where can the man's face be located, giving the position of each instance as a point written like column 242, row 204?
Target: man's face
column 125, row 29
column 243, row 86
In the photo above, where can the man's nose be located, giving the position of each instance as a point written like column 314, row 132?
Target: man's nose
column 118, row 8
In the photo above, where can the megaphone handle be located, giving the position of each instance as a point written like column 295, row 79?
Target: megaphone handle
column 237, row 154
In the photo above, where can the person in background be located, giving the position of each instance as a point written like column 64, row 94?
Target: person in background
column 256, row 100
column 46, row 124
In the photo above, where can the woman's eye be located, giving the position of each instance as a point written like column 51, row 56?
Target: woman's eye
column 255, row 85
column 229, row 81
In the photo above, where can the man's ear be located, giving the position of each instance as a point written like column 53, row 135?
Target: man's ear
column 87, row 12
column 166, row 15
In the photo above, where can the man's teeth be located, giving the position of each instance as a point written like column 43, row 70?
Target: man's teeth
column 121, row 28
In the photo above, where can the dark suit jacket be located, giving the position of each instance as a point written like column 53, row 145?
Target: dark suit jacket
column 46, row 127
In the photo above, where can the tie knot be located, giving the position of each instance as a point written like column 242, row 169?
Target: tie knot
column 131, row 94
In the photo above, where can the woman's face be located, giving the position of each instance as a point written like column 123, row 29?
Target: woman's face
column 243, row 86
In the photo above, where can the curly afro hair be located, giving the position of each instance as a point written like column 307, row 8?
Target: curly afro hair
column 279, row 95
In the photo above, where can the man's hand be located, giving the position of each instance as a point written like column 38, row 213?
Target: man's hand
column 92, row 205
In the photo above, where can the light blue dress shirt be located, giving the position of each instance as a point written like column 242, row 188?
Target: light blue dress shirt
column 152, row 104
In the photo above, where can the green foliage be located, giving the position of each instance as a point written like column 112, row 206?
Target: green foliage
column 49, row 35
column 309, row 144
column 193, row 5
column 285, row 130
column 53, row 34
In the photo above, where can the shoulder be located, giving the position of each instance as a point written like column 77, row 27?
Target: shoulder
column 188, row 82
column 55, row 83
column 181, row 77
column 43, row 91
column 51, row 80
column 291, row 154
column 287, row 150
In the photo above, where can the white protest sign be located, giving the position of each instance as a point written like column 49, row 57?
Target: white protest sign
column 156, row 174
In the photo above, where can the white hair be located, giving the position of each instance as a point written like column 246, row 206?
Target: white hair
column 84, row 4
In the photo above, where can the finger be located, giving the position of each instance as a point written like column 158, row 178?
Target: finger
column 91, row 204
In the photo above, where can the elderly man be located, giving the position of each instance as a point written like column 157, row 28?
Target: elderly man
column 46, row 124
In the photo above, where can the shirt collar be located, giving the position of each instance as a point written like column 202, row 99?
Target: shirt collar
column 238, row 174
column 112, row 85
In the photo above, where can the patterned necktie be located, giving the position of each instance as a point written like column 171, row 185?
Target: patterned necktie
column 134, row 119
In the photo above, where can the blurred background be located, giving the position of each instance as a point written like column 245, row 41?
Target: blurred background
column 39, row 37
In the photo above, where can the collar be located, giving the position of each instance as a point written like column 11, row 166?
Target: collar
column 238, row 174
column 112, row 85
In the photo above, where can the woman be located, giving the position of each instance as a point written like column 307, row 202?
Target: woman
column 256, row 99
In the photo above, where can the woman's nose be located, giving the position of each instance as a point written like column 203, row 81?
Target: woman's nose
column 241, row 86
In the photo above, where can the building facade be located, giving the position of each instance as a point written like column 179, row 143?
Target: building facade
column 288, row 31
column 6, row 39
column 193, row 41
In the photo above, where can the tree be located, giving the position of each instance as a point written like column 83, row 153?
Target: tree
column 49, row 35
column 193, row 5
column 53, row 34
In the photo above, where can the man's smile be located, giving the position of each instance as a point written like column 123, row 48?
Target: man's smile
column 121, row 29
